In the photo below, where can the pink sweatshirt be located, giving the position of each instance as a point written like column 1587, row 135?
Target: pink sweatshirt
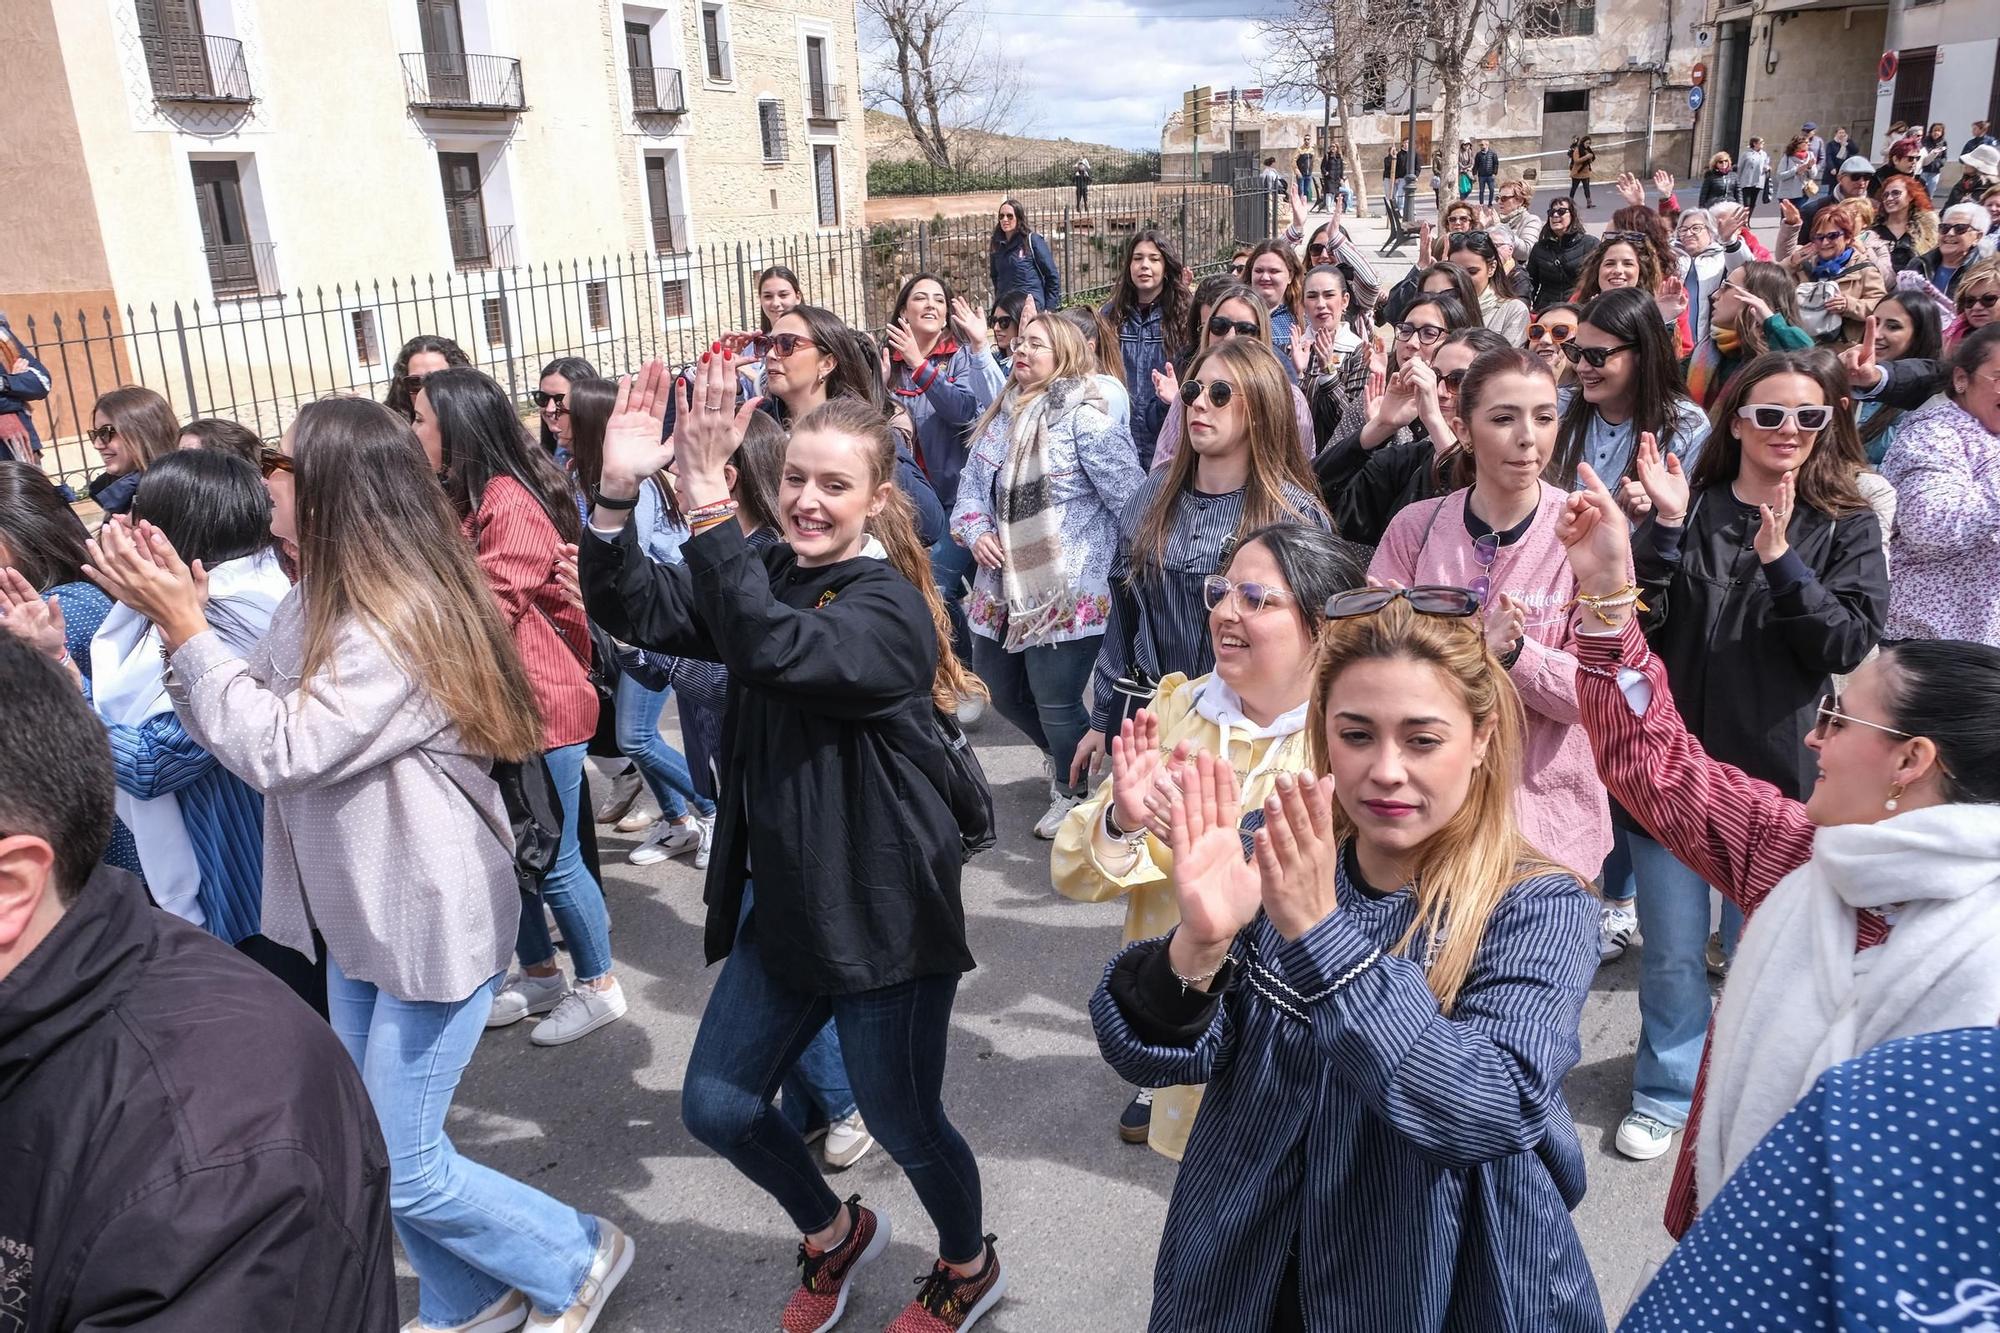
column 1561, row 805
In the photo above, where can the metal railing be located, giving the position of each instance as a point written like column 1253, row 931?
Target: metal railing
column 184, row 71
column 249, row 269
column 1008, row 172
column 482, row 247
column 449, row 81
column 658, row 92
column 670, row 233
column 256, row 362
column 825, row 101
column 716, row 58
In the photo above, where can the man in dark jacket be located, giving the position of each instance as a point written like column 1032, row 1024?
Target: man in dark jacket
column 1486, row 168
column 183, row 1144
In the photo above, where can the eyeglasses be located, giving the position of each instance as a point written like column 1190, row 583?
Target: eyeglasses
column 1831, row 234
column 1429, row 335
column 1985, row 302
column 1956, row 229
column 784, row 344
column 1596, row 356
column 413, row 384
column 1692, row 229
column 270, row 461
column 1485, row 549
column 1250, row 598
column 1555, row 333
column 545, row 400
column 1430, row 599
column 1771, row 416
column 1219, row 392
column 103, row 434
column 1220, row 326
column 1452, row 379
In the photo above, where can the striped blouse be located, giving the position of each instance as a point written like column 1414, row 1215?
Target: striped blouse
column 1423, row 1165
column 84, row 607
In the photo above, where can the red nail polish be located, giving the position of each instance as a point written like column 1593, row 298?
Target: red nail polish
column 704, row 358
column 715, row 347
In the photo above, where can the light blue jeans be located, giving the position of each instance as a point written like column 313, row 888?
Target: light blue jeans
column 664, row 768
column 1673, row 912
column 471, row 1233
column 573, row 894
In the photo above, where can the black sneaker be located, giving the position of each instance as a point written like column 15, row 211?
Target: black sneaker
column 1137, row 1121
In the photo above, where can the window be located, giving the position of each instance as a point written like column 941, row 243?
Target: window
column 237, row 265
column 819, row 89
column 771, row 128
column 1565, row 103
column 493, row 313
column 597, row 303
column 826, row 184
column 667, row 238
column 465, row 210
column 1559, row 18
column 442, row 32
column 1375, row 84
column 715, row 43
column 674, row 298
column 367, row 342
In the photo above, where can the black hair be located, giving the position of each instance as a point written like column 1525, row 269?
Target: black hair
column 1969, row 357
column 760, row 464
column 1630, row 315
column 571, row 368
column 231, row 437
column 903, row 297
column 211, row 505
column 1023, row 234
column 43, row 536
column 1478, row 243
column 1207, row 295
column 55, row 766
column 1948, row 691
column 481, row 439
column 1177, row 309
column 1011, row 305
column 1926, row 341
column 775, row 271
column 1479, row 338
column 1461, row 284
column 398, row 397
column 590, row 402
column 1339, row 274
column 1315, row 564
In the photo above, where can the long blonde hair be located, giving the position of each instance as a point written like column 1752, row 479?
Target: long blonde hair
column 379, row 545
column 1074, row 360
column 1251, row 368
column 896, row 528
column 1465, row 868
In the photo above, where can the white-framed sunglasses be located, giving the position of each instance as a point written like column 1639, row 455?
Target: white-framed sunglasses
column 1773, row 416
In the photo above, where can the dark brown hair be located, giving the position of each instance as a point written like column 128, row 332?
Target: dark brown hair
column 1826, row 478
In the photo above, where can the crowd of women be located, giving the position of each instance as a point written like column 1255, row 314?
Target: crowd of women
column 1439, row 639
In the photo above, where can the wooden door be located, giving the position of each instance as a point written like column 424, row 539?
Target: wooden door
column 1915, row 70
column 639, row 56
column 225, row 235
column 464, row 209
column 444, row 50
column 176, row 55
column 659, row 205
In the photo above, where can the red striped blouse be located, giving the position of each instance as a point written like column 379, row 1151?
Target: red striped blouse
column 1739, row 833
column 517, row 544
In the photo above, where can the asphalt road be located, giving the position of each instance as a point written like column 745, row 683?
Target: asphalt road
column 1078, row 1213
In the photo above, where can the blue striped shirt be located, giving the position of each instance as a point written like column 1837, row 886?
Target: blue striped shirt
column 84, row 607
column 1425, row 1165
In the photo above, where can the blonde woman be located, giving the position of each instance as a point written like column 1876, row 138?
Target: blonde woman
column 1038, row 507
column 130, row 426
column 1264, row 614
column 1237, row 311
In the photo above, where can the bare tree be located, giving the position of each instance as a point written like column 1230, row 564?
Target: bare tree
column 1468, row 43
column 937, row 70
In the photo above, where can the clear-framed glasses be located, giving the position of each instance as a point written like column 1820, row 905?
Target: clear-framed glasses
column 1249, row 598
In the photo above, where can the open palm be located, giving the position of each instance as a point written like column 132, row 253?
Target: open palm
column 1218, row 891
column 633, row 447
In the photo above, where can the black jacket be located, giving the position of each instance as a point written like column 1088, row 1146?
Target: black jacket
column 1719, row 185
column 1749, row 648
column 113, row 494
column 831, row 760
column 183, row 1144
column 1364, row 488
column 1929, row 262
column 1486, row 162
column 1555, row 265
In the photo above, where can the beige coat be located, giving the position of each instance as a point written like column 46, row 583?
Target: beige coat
column 379, row 829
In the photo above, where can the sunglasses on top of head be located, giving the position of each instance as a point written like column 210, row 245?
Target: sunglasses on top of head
column 546, row 400
column 1430, row 599
column 1221, row 326
column 1772, row 416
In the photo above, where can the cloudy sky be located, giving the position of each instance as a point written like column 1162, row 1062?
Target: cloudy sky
column 1109, row 71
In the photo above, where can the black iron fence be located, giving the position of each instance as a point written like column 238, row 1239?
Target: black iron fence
column 453, row 81
column 1009, row 171
column 256, row 361
column 197, row 68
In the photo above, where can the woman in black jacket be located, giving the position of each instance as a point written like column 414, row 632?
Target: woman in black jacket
column 1720, row 182
column 838, row 662
column 1020, row 260
column 1765, row 577
column 1555, row 262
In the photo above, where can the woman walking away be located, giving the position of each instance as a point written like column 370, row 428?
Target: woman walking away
column 371, row 716
column 838, row 663
column 1395, row 937
column 1019, row 260
column 1038, row 508
column 1149, row 307
column 1581, row 157
column 131, row 426
column 516, row 508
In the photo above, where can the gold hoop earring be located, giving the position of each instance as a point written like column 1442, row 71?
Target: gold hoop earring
column 1895, row 792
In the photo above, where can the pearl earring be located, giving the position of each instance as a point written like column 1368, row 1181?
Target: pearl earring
column 1895, row 790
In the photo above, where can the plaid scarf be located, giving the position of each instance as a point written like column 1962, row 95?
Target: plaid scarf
column 1032, row 575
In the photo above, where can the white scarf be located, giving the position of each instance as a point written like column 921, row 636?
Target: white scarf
column 1800, row 999
column 128, row 685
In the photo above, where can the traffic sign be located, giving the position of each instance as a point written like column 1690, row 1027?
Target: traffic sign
column 1695, row 99
column 1700, row 74
column 1885, row 68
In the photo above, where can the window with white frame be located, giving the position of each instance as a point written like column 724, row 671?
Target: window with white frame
column 716, row 62
column 674, row 298
column 771, row 129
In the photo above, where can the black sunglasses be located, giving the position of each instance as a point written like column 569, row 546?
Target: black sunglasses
column 541, row 399
column 1452, row 379
column 1220, row 326
column 412, row 383
column 1956, row 229
column 1458, row 238
column 1219, row 392
column 1431, row 599
column 104, row 434
column 1000, row 321
column 1596, row 356
column 1986, row 302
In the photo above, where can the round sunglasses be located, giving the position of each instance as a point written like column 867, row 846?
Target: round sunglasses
column 1219, row 392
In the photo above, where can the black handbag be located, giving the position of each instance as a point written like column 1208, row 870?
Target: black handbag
column 966, row 789
column 602, row 671
column 534, row 809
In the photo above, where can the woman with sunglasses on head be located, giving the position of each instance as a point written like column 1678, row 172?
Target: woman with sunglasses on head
column 1750, row 314
column 1265, row 612
column 1235, row 311
column 1763, row 572
column 1555, row 261
column 1553, row 327
column 1430, row 280
column 1019, row 260
column 1871, row 906
column 1847, row 282
column 1382, row 993
column 1038, row 508
column 1236, row 469
column 370, row 716
column 420, row 356
column 1151, row 308
column 130, row 427
column 550, row 398
column 1473, row 252
column 1496, row 535
column 516, row 508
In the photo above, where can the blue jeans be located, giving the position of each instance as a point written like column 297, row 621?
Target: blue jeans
column 471, row 1233
column 1673, row 912
column 951, row 569
column 816, row 1093
column 664, row 768
column 753, row 1032
column 1040, row 690
column 1486, row 190
column 573, row 895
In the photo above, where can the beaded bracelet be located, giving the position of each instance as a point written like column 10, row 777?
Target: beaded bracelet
column 1625, row 596
column 723, row 508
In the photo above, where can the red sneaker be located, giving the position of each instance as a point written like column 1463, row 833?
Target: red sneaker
column 949, row 1303
column 822, row 1295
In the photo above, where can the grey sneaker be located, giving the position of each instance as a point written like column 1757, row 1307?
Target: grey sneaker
column 617, row 802
column 1060, row 805
column 580, row 1013
column 1642, row 1138
column 525, row 995
column 847, row 1141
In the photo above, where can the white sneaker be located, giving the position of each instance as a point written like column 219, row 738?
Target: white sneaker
column 524, row 995
column 503, row 1316
column 847, row 1141
column 607, row 1270
column 1642, row 1138
column 701, row 853
column 1052, row 818
column 642, row 815
column 617, row 802
column 669, row 837
column 1616, row 924
column 581, row 1013
column 970, row 709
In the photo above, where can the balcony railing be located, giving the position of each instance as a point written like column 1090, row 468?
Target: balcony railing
column 658, row 92
column 207, row 69
column 717, row 56
column 826, row 101
column 237, row 271
column 450, row 82
column 670, row 233
column 482, row 247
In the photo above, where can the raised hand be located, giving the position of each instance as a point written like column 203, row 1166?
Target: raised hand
column 1772, row 538
column 1301, row 347
column 1672, row 299
column 24, row 614
column 1788, row 213
column 139, row 568
column 1166, row 384
column 1506, row 621
column 1424, row 242
column 1326, row 341
column 1218, row 892
column 709, row 428
column 1378, row 373
column 1296, row 853
column 1859, row 360
column 1630, row 190
column 904, row 343
column 1595, row 537
column 633, row 449
column 1632, row 498
column 971, row 325
column 1662, row 478
column 1142, row 778
column 1663, row 181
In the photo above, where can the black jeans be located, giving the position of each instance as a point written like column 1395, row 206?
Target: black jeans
column 1576, row 181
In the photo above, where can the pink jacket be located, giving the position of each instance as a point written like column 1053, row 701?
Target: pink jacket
column 1561, row 807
